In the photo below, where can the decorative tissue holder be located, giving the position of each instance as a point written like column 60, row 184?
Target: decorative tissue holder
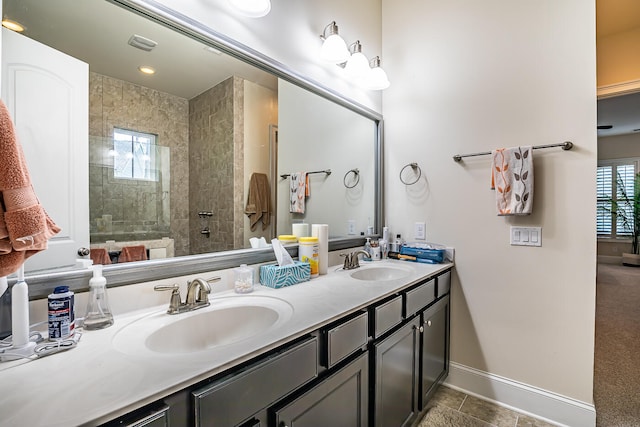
column 275, row 276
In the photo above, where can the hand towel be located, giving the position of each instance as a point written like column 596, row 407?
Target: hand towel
column 100, row 256
column 133, row 253
column 25, row 227
column 512, row 177
column 258, row 201
column 298, row 190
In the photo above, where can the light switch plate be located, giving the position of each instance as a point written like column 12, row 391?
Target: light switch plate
column 420, row 231
column 526, row 236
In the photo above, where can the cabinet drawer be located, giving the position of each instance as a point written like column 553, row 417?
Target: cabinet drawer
column 387, row 315
column 346, row 338
column 444, row 283
column 418, row 298
column 235, row 398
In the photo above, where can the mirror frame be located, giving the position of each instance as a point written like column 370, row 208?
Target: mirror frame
column 40, row 285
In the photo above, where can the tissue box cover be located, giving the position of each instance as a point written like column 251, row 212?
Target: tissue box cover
column 275, row 276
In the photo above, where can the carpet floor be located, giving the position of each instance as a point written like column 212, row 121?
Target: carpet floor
column 617, row 346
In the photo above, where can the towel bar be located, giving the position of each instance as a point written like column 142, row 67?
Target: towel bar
column 326, row 171
column 567, row 145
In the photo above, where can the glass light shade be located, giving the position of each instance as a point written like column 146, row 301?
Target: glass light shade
column 357, row 66
column 377, row 79
column 252, row 8
column 334, row 50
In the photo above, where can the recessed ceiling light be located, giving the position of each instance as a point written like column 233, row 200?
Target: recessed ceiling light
column 252, row 8
column 13, row 26
column 142, row 43
column 146, row 69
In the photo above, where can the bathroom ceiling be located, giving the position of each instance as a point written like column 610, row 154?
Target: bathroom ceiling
column 97, row 32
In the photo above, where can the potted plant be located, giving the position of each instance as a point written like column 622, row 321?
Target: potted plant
column 627, row 210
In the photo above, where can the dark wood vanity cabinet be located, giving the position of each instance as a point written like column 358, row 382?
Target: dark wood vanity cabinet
column 375, row 367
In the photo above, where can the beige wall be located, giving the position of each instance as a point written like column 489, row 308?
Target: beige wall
column 261, row 111
column 618, row 59
column 471, row 76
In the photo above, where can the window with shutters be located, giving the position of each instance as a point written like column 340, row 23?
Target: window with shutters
column 615, row 178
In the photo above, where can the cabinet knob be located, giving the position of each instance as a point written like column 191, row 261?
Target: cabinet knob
column 421, row 329
column 427, row 322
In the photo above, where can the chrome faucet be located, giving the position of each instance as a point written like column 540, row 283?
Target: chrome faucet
column 198, row 291
column 351, row 259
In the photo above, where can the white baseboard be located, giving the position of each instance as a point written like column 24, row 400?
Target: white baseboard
column 548, row 406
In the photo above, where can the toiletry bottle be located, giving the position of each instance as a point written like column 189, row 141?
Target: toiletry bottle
column 98, row 311
column 367, row 249
column 375, row 251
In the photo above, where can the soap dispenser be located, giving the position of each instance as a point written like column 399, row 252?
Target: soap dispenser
column 368, row 249
column 98, row 312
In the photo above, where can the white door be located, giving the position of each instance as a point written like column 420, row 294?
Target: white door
column 46, row 92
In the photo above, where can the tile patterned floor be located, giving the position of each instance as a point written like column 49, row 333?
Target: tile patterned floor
column 461, row 410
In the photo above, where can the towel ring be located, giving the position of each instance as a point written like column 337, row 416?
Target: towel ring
column 356, row 177
column 415, row 167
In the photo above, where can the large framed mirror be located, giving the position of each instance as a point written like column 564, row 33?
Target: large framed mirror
column 171, row 155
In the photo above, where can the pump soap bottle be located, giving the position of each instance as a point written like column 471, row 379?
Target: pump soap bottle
column 98, row 312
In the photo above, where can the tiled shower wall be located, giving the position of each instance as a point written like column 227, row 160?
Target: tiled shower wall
column 116, row 103
column 216, row 135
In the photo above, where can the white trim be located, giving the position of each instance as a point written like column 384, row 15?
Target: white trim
column 533, row 401
column 618, row 89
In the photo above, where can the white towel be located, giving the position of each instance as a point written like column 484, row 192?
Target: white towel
column 298, row 190
column 512, row 177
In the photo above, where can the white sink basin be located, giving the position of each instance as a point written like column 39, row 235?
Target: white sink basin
column 228, row 320
column 380, row 273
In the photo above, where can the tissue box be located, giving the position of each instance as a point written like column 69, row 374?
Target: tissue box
column 275, row 276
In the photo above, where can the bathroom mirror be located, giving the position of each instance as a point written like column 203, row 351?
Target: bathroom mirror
column 198, row 189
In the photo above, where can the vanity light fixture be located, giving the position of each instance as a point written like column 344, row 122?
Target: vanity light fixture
column 251, row 8
column 376, row 78
column 145, row 69
column 357, row 66
column 334, row 48
column 12, row 25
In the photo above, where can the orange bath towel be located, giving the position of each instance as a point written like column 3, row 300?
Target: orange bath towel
column 25, row 227
column 133, row 253
column 100, row 256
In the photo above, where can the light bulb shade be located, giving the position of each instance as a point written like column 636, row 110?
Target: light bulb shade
column 252, row 8
column 377, row 79
column 334, row 50
column 357, row 66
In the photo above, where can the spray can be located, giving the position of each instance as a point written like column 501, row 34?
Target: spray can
column 60, row 314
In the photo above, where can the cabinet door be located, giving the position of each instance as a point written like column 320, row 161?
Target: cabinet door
column 396, row 368
column 339, row 400
column 435, row 347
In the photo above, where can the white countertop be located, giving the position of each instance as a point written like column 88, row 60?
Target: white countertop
column 94, row 382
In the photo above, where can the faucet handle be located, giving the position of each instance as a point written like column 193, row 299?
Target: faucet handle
column 347, row 261
column 203, row 291
column 176, row 299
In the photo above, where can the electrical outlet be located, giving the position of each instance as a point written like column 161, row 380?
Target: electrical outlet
column 351, row 227
column 420, row 231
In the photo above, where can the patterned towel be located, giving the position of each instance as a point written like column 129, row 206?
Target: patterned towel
column 298, row 191
column 512, row 177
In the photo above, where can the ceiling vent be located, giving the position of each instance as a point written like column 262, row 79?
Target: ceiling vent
column 142, row 43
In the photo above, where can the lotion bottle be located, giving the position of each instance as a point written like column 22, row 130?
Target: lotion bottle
column 98, row 311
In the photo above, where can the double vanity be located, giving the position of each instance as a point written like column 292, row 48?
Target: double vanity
column 352, row 348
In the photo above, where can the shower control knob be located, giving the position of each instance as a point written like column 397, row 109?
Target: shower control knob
column 83, row 251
